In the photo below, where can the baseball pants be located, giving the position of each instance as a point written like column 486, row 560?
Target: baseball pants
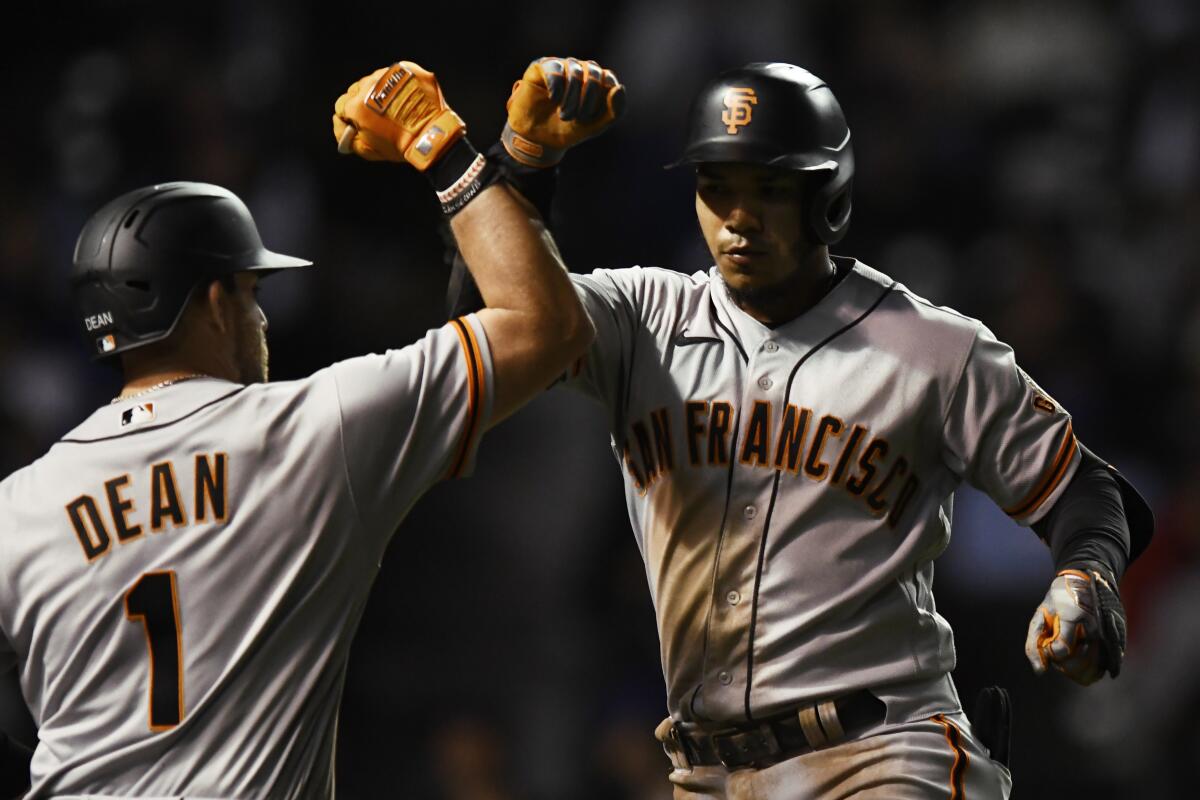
column 931, row 759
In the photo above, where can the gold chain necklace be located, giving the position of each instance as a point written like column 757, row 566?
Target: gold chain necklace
column 161, row 384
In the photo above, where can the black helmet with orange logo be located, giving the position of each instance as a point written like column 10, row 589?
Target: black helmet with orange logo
column 778, row 115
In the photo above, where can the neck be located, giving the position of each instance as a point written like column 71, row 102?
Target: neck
column 152, row 367
column 791, row 297
column 143, row 383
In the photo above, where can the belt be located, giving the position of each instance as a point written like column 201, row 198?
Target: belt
column 777, row 738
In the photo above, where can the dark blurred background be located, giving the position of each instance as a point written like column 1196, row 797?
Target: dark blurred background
column 1033, row 164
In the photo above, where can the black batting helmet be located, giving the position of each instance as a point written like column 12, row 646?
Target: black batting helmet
column 140, row 257
column 778, row 115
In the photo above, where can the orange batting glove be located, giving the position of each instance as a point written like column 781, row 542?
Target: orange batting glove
column 396, row 113
column 558, row 103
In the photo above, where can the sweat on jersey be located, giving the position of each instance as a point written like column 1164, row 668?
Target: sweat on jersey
column 789, row 488
column 181, row 575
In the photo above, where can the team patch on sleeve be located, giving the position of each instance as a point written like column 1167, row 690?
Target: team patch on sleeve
column 1050, row 479
column 475, row 393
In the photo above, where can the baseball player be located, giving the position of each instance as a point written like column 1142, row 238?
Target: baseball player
column 791, row 427
column 182, row 574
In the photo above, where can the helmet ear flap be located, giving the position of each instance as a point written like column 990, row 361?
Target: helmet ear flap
column 828, row 210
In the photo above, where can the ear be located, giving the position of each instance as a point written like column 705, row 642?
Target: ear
column 218, row 306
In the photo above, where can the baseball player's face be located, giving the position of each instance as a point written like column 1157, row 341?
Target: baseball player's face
column 750, row 217
column 249, row 330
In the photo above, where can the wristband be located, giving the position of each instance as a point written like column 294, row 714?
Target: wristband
column 460, row 175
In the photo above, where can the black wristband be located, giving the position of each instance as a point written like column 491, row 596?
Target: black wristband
column 536, row 184
column 460, row 175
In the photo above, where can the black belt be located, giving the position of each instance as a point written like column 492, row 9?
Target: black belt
column 782, row 736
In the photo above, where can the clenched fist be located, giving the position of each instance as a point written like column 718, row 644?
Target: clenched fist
column 1079, row 629
column 396, row 113
column 558, row 103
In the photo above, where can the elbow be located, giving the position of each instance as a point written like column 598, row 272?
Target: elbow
column 565, row 335
column 578, row 333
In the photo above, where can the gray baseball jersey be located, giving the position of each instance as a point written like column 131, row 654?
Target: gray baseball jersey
column 790, row 487
column 181, row 575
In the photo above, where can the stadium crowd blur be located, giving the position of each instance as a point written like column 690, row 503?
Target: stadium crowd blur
column 1032, row 164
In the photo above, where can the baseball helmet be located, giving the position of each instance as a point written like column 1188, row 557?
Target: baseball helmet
column 778, row 115
column 140, row 257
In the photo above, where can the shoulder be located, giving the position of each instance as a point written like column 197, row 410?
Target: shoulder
column 913, row 310
column 644, row 297
column 638, row 281
column 918, row 331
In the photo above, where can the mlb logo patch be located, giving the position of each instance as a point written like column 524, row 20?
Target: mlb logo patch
column 106, row 344
column 138, row 415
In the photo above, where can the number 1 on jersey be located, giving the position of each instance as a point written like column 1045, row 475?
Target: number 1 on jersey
column 154, row 602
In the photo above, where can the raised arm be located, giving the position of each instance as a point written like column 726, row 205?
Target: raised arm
column 557, row 104
column 534, row 322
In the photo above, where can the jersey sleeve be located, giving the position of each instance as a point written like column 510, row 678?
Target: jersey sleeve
column 1005, row 435
column 413, row 416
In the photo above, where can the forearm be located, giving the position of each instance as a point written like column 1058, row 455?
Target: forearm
column 535, row 323
column 514, row 261
column 1088, row 522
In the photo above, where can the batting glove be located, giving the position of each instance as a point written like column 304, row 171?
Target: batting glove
column 558, row 103
column 396, row 113
column 1080, row 627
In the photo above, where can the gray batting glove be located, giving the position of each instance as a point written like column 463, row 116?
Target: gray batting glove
column 1079, row 629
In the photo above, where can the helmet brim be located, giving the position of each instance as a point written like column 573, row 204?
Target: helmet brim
column 268, row 261
column 797, row 162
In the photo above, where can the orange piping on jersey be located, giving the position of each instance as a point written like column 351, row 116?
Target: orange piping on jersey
column 480, row 378
column 959, row 768
column 1054, row 475
column 470, row 347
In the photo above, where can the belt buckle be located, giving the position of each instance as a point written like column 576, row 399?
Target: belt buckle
column 742, row 748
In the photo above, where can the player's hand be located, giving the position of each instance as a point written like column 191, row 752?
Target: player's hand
column 396, row 113
column 558, row 103
column 1079, row 629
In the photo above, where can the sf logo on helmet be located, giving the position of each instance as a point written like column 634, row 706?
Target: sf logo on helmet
column 739, row 107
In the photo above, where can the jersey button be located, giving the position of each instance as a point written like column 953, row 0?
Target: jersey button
column 770, row 347
column 764, row 382
column 750, row 512
column 734, row 597
column 725, row 678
